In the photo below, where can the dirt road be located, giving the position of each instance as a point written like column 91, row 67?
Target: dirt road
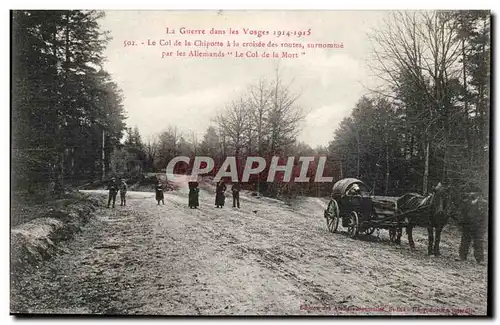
column 266, row 258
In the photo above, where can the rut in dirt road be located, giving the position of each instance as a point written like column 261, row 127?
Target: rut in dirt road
column 266, row 258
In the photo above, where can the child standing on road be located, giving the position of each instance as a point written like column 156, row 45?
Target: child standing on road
column 159, row 193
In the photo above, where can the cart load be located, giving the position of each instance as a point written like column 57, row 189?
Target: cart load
column 361, row 212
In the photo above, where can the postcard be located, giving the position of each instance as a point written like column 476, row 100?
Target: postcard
column 250, row 163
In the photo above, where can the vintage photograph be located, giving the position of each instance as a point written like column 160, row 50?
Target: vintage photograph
column 250, row 163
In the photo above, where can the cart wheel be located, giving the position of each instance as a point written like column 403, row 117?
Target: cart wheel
column 332, row 216
column 353, row 227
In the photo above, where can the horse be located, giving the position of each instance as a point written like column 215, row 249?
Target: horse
column 427, row 212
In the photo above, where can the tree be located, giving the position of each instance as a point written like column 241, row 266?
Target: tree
column 421, row 47
column 259, row 106
column 234, row 121
column 284, row 116
column 426, row 123
column 151, row 147
column 64, row 104
column 210, row 144
column 168, row 148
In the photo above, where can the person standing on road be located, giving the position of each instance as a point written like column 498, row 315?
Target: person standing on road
column 123, row 193
column 219, row 194
column 473, row 223
column 113, row 190
column 236, row 194
column 193, row 195
column 159, row 193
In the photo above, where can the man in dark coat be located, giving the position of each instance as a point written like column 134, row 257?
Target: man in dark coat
column 219, row 194
column 473, row 222
column 159, row 193
column 113, row 190
column 193, row 195
column 236, row 194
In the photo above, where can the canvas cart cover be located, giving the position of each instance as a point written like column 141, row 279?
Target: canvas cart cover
column 340, row 187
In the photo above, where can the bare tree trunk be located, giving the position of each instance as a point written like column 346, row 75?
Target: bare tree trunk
column 61, row 170
column 386, row 165
column 445, row 161
column 486, row 119
column 72, row 171
column 64, row 151
column 466, row 104
column 357, row 140
column 237, row 158
column 412, row 141
column 103, row 175
column 426, row 168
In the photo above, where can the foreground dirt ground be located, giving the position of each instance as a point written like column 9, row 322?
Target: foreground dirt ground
column 266, row 258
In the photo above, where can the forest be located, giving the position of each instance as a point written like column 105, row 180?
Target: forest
column 428, row 122
column 67, row 113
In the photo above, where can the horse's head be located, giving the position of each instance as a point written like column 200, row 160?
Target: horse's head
column 480, row 204
column 441, row 189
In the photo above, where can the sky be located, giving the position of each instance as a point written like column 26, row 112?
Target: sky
column 188, row 92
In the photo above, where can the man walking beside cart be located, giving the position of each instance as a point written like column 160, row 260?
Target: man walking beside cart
column 473, row 222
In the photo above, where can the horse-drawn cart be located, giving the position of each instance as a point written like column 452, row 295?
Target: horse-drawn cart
column 361, row 213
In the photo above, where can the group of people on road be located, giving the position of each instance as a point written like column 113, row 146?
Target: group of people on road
column 193, row 201
column 220, row 196
column 473, row 211
column 114, row 187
